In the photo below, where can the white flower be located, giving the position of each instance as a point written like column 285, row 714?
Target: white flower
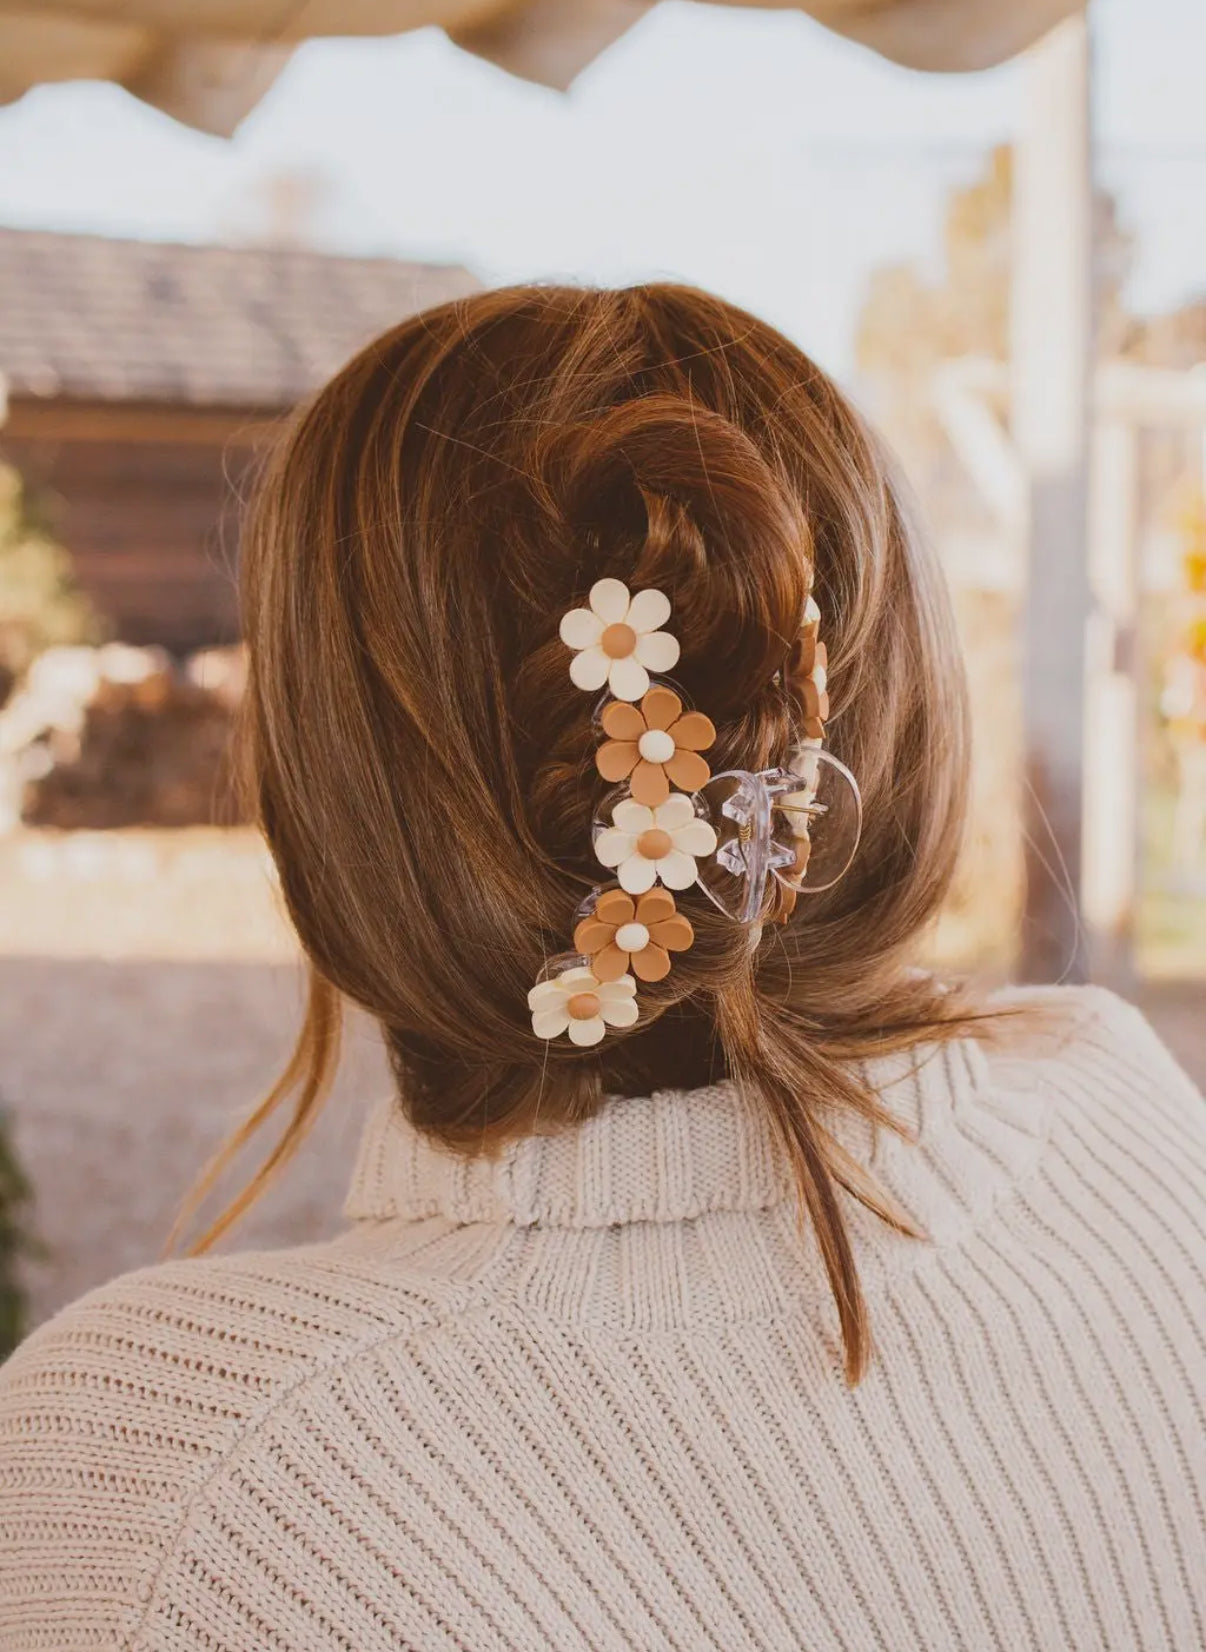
column 617, row 641
column 579, row 1003
column 644, row 844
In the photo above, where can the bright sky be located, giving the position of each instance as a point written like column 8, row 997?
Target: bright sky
column 747, row 151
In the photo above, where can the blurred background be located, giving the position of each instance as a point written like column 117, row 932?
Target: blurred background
column 985, row 219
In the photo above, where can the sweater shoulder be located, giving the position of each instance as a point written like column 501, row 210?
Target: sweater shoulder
column 117, row 1413
column 1082, row 1028
column 1117, row 1100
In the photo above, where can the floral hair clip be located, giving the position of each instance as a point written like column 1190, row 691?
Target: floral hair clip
column 617, row 640
column 750, row 841
column 654, row 745
column 619, row 933
column 579, row 1003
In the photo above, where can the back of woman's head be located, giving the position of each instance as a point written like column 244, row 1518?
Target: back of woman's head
column 424, row 770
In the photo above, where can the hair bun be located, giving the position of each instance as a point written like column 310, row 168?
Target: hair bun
column 692, row 507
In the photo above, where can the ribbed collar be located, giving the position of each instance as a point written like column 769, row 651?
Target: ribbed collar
column 680, row 1153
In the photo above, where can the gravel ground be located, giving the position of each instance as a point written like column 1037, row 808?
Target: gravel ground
column 122, row 1078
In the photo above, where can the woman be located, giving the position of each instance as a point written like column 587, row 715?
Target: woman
column 716, row 1278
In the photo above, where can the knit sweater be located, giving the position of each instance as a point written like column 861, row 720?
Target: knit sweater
column 589, row 1395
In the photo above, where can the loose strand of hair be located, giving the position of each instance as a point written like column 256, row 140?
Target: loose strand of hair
column 307, row 1077
column 756, row 1070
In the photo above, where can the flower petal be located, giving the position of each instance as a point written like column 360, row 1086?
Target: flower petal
column 613, row 846
column 587, row 1032
column 550, row 1023
column 695, row 838
column 610, row 964
column 622, row 1013
column 651, row 963
column 592, row 935
column 627, row 678
column 657, row 650
column 580, row 628
column 649, row 784
column 609, row 599
column 693, row 731
column 614, row 908
column 589, row 669
column 625, row 987
column 622, row 721
column 661, row 707
column 545, row 994
column 675, row 934
column 636, row 874
column 803, row 656
column 579, row 979
column 631, row 816
column 688, row 770
column 676, row 811
column 648, row 610
column 677, row 870
column 616, row 759
column 655, row 907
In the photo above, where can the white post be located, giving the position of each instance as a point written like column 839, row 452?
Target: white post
column 1052, row 345
column 1112, row 780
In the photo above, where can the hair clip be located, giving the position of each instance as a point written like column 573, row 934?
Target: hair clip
column 654, row 745
column 574, row 1000
column 619, row 933
column 752, row 842
column 617, row 640
column 644, row 846
column 793, row 828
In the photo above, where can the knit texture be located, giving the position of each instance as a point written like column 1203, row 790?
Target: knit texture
column 589, row 1395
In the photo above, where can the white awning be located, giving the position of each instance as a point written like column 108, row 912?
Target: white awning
column 208, row 62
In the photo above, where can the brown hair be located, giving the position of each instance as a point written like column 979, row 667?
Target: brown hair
column 424, row 772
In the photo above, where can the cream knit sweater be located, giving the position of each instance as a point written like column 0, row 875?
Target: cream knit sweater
column 590, row 1396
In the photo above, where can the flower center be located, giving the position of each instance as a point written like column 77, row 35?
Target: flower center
column 654, row 844
column 656, row 746
column 632, row 937
column 618, row 641
column 583, row 1006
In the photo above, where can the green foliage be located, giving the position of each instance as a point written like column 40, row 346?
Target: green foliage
column 15, row 1242
column 40, row 602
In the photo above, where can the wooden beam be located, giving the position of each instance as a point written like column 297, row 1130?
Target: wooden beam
column 58, row 419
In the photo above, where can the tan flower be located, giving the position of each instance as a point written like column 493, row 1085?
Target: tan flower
column 622, row 933
column 807, row 670
column 654, row 744
column 796, row 807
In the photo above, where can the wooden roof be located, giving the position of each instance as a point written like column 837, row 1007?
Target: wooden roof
column 87, row 318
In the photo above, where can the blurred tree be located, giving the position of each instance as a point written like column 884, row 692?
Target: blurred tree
column 909, row 324
column 1177, row 339
column 40, row 601
column 966, row 312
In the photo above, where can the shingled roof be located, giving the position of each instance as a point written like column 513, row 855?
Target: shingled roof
column 93, row 319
